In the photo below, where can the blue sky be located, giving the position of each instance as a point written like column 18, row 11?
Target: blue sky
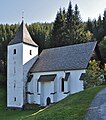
column 45, row 10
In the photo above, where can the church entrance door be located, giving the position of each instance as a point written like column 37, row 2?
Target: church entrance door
column 48, row 101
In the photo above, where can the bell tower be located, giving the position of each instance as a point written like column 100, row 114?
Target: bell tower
column 21, row 50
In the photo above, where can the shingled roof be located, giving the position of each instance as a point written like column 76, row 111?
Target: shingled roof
column 46, row 78
column 72, row 57
column 22, row 36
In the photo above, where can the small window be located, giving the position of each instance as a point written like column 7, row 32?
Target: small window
column 14, row 69
column 14, row 51
column 37, row 86
column 62, row 85
column 30, row 52
column 14, row 98
column 14, row 85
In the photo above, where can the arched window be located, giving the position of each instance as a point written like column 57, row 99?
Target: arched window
column 37, row 87
column 14, row 99
column 62, row 84
column 14, row 51
column 48, row 101
column 14, row 85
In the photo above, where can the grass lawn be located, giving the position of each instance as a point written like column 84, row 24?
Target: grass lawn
column 6, row 114
column 73, row 107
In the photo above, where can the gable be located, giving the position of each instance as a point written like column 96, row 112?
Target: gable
column 96, row 55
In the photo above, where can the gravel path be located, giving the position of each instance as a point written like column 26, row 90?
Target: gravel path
column 97, row 109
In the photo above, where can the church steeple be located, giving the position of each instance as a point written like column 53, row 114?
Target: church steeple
column 22, row 36
column 21, row 55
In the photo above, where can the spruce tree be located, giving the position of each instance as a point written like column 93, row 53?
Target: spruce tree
column 102, row 46
column 79, row 33
column 58, row 37
column 89, row 25
column 104, row 16
column 94, row 75
column 99, row 20
column 70, row 24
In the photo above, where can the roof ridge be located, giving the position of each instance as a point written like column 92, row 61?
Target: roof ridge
column 70, row 45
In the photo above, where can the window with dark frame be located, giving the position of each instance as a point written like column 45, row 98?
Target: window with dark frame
column 14, row 98
column 62, row 84
column 30, row 52
column 14, row 85
column 14, row 51
column 37, row 87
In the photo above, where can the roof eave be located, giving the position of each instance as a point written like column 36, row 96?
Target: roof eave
column 58, row 70
column 24, row 43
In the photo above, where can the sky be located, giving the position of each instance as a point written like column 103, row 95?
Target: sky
column 45, row 10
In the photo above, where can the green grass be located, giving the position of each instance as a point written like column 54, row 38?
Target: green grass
column 7, row 114
column 73, row 107
column 2, row 79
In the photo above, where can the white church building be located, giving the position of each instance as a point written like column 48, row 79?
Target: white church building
column 47, row 78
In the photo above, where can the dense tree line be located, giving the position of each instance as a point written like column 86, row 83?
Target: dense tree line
column 97, row 27
column 6, row 34
column 68, row 28
column 39, row 33
column 98, row 31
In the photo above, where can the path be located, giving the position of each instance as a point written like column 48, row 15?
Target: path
column 97, row 110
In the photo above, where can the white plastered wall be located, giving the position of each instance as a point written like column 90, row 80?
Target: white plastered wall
column 72, row 85
column 18, row 66
column 15, row 76
column 28, row 61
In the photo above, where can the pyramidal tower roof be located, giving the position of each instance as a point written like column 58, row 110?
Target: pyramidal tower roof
column 22, row 36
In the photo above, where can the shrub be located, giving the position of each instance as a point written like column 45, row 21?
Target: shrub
column 94, row 75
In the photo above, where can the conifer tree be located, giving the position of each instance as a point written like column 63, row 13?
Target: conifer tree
column 70, row 24
column 99, row 20
column 89, row 25
column 59, row 30
column 102, row 46
column 79, row 33
column 77, row 24
column 94, row 75
column 104, row 16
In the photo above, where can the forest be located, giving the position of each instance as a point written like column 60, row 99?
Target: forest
column 67, row 29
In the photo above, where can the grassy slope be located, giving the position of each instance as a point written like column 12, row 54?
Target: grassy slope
column 71, row 108
column 11, row 114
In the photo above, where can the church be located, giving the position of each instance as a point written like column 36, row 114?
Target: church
column 46, row 78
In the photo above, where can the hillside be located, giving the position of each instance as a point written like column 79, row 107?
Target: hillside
column 73, row 107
